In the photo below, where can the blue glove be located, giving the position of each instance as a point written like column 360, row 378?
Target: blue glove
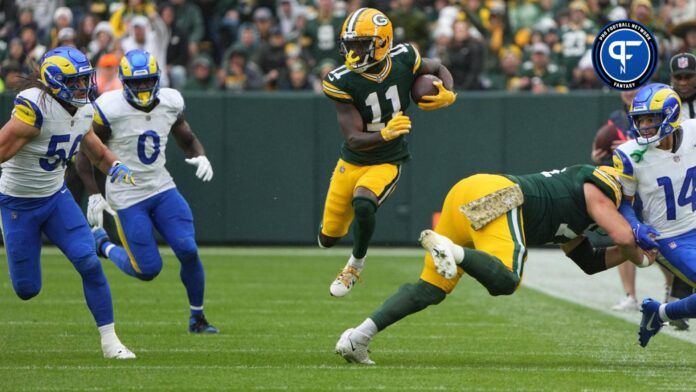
column 645, row 236
column 121, row 173
column 644, row 233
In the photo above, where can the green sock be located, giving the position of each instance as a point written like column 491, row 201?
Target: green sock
column 364, row 225
column 410, row 298
column 490, row 272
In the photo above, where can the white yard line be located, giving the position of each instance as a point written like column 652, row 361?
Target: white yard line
column 549, row 271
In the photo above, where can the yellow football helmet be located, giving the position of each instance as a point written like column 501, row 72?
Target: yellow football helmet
column 366, row 39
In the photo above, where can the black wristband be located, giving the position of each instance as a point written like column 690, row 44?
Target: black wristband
column 591, row 260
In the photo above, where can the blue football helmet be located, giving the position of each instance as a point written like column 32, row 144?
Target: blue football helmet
column 659, row 100
column 67, row 73
column 140, row 76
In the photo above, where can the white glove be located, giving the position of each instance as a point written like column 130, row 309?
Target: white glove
column 205, row 169
column 95, row 210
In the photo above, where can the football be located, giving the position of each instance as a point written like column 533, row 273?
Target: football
column 423, row 85
column 605, row 136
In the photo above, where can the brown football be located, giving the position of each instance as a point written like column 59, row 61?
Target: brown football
column 423, row 85
column 605, row 136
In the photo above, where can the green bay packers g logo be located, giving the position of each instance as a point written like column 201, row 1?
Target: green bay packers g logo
column 380, row 20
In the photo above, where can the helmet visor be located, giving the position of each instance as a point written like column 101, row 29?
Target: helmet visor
column 361, row 47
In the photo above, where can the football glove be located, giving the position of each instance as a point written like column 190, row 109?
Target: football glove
column 645, row 236
column 119, row 172
column 443, row 98
column 95, row 210
column 204, row 169
column 397, row 126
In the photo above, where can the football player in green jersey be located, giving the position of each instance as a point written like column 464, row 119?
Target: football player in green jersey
column 486, row 224
column 371, row 92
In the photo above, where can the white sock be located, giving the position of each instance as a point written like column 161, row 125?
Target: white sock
column 458, row 253
column 356, row 263
column 663, row 313
column 367, row 328
column 108, row 335
column 108, row 250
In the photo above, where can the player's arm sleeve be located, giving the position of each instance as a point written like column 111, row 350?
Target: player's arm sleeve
column 335, row 91
column 608, row 184
column 417, row 60
column 27, row 112
column 622, row 163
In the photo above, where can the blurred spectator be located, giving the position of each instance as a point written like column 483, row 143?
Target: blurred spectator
column 33, row 49
column 584, row 77
column 322, row 33
column 85, row 31
column 320, row 72
column 465, row 58
column 225, row 27
column 178, row 50
column 62, row 18
column 189, row 22
column 539, row 75
column 287, row 12
column 239, row 74
column 43, row 11
column 8, row 19
column 506, row 78
column 15, row 55
column 443, row 39
column 126, row 11
column 152, row 36
column 272, row 59
column 524, row 15
column 683, row 80
column 687, row 32
column 297, row 79
column 66, row 37
column 202, row 76
column 107, row 74
column 102, row 41
column 263, row 21
column 577, row 36
column 12, row 75
column 26, row 18
column 410, row 24
column 246, row 43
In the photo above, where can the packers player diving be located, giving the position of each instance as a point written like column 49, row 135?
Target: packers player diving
column 371, row 92
column 486, row 224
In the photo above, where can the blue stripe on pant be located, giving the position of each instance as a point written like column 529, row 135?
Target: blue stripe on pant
column 59, row 217
column 171, row 216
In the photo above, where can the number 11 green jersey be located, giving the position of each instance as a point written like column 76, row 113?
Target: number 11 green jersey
column 377, row 97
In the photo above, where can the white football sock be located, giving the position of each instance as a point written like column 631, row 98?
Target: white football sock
column 108, row 335
column 458, row 253
column 356, row 263
column 367, row 328
column 663, row 313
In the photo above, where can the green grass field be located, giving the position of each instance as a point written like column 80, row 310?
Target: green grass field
column 279, row 326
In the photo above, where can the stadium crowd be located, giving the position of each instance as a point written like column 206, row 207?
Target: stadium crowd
column 289, row 45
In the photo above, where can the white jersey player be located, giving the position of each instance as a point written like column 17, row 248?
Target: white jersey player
column 660, row 166
column 50, row 122
column 136, row 123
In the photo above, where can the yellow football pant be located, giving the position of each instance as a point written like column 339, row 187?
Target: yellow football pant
column 338, row 210
column 502, row 238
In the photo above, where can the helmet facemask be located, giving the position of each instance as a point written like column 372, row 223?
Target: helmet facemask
column 141, row 91
column 77, row 90
column 360, row 52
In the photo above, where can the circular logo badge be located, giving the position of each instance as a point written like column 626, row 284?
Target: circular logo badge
column 380, row 20
column 624, row 54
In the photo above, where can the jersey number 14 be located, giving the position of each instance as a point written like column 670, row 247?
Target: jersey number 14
column 687, row 195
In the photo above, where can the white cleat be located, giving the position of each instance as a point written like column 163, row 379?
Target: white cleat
column 344, row 281
column 627, row 304
column 353, row 347
column 439, row 247
column 117, row 351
